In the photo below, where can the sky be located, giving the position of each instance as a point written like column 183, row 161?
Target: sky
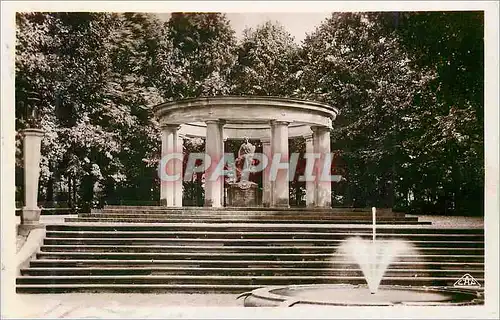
column 298, row 24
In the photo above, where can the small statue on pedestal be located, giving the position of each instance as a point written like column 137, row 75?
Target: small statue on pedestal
column 32, row 115
column 243, row 192
column 244, row 160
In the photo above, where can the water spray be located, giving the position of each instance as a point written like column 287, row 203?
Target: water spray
column 374, row 248
column 374, row 219
column 374, row 257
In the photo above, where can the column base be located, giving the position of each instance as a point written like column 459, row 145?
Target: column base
column 310, row 205
column 30, row 216
column 163, row 202
column 282, row 203
column 210, row 203
column 327, row 205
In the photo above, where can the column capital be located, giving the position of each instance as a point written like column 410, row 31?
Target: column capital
column 33, row 132
column 308, row 137
column 318, row 129
column 215, row 121
column 169, row 126
column 279, row 122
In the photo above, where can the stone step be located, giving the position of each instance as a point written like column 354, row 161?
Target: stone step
column 351, row 271
column 232, row 280
column 153, row 221
column 249, row 213
column 241, row 263
column 170, row 288
column 247, row 209
column 240, row 227
column 243, row 242
column 242, row 214
column 251, row 235
column 238, row 256
column 239, row 220
column 136, row 288
column 234, row 249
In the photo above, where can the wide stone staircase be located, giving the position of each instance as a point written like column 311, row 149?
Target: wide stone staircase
column 231, row 250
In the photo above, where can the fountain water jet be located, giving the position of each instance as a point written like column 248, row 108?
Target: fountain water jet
column 374, row 257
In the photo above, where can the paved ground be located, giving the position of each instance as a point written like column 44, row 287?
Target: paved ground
column 80, row 305
column 451, row 221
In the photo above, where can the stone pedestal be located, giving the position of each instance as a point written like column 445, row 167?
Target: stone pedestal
column 32, row 145
column 30, row 216
column 243, row 194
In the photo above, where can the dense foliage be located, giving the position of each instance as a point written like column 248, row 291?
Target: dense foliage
column 409, row 87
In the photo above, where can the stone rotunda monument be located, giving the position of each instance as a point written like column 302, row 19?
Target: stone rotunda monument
column 271, row 120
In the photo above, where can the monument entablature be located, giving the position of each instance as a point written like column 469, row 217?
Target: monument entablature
column 238, row 130
column 245, row 116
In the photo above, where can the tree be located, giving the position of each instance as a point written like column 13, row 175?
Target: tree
column 135, row 68
column 267, row 61
column 201, row 48
column 453, row 44
column 354, row 64
column 94, row 107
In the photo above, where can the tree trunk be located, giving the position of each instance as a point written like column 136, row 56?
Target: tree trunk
column 199, row 188
column 87, row 189
column 49, row 196
column 70, row 193
column 297, row 194
column 75, row 200
column 109, row 192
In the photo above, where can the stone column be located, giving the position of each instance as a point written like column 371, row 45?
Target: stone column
column 214, row 147
column 266, row 181
column 279, row 142
column 310, row 185
column 168, row 142
column 179, row 146
column 222, row 190
column 32, row 144
column 321, row 143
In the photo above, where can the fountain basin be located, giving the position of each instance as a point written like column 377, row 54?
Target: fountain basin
column 359, row 295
